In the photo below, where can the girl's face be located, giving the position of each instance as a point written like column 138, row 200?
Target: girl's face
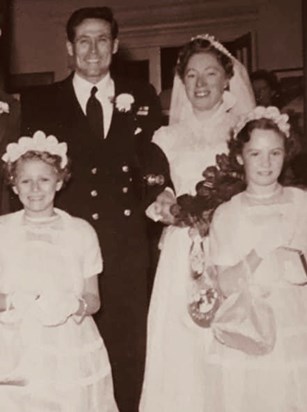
column 263, row 157
column 204, row 80
column 36, row 184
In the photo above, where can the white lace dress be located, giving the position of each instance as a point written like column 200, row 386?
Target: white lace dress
column 275, row 382
column 60, row 368
column 174, row 372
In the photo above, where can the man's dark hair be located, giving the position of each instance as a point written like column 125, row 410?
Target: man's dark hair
column 103, row 13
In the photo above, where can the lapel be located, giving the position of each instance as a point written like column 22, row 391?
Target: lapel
column 122, row 124
column 69, row 108
column 75, row 124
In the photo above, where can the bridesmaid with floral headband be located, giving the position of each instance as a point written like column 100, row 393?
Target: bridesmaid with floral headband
column 258, row 242
column 211, row 88
column 52, row 356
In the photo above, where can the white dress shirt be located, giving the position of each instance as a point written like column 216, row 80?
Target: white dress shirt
column 105, row 95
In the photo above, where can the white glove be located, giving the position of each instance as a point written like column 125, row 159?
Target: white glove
column 54, row 309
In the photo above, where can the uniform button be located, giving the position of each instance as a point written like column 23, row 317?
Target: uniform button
column 125, row 189
column 125, row 168
column 95, row 216
column 94, row 193
column 127, row 212
column 94, row 170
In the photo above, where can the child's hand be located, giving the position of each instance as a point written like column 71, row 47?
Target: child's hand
column 54, row 309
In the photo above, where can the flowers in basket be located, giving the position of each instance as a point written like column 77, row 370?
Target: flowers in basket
column 220, row 182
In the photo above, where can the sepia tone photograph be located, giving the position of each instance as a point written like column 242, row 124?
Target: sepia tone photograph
column 153, row 206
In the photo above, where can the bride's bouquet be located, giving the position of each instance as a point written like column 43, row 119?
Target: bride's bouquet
column 220, row 182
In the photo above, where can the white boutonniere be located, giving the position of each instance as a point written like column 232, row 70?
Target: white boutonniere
column 4, row 107
column 123, row 102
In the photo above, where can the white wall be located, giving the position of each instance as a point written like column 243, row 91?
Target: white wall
column 146, row 25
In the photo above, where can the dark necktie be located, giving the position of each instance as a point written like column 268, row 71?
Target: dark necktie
column 94, row 114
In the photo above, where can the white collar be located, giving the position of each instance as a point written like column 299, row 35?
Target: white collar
column 105, row 85
column 105, row 94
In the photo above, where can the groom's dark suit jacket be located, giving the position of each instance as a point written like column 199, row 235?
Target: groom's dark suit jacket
column 107, row 190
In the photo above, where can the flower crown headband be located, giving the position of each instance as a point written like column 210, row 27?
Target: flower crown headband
column 215, row 43
column 38, row 143
column 261, row 112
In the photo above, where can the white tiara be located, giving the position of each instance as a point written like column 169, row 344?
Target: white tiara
column 215, row 43
column 261, row 112
column 38, row 143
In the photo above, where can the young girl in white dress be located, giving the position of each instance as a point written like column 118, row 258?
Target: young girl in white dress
column 52, row 356
column 256, row 239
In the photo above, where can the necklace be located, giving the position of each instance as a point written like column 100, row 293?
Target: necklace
column 264, row 196
column 43, row 219
column 42, row 223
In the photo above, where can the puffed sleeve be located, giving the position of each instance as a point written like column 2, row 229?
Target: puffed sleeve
column 222, row 237
column 92, row 258
column 164, row 138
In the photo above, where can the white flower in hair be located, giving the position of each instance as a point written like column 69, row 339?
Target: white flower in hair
column 38, row 143
column 215, row 43
column 261, row 112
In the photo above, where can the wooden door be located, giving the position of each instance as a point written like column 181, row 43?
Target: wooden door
column 241, row 48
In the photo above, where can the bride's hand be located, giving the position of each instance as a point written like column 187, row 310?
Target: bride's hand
column 163, row 205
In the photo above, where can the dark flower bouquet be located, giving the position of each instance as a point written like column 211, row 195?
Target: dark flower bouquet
column 220, row 183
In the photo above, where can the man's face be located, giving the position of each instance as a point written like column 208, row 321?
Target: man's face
column 263, row 92
column 92, row 49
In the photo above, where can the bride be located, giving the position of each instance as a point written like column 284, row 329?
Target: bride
column 203, row 111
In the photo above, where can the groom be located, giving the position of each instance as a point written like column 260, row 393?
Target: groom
column 106, row 122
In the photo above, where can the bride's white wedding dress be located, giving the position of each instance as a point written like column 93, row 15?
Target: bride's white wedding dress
column 176, row 349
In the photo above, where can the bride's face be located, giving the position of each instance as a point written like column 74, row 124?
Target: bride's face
column 204, row 80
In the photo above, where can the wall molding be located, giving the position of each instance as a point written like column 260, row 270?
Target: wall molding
column 170, row 34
